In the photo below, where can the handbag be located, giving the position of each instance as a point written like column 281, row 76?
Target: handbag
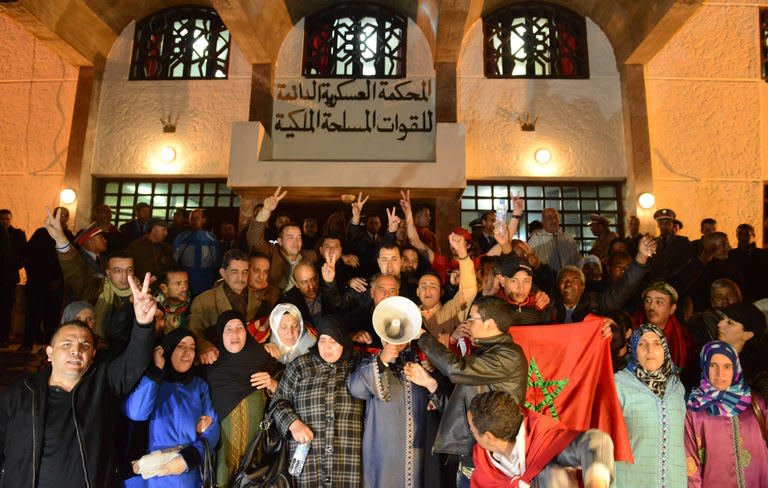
column 265, row 462
column 207, row 471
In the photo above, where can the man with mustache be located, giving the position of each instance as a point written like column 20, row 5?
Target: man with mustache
column 230, row 294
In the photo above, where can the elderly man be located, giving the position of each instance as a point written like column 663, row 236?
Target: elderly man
column 287, row 253
column 306, row 295
column 232, row 294
column 520, row 447
column 553, row 246
column 496, row 363
column 359, row 320
column 573, row 304
column 197, row 250
column 601, row 229
column 58, row 428
column 151, row 254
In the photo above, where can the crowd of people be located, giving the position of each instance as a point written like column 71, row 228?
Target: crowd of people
column 167, row 345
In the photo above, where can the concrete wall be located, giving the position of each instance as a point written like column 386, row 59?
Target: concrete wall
column 37, row 92
column 707, row 110
column 580, row 121
column 130, row 135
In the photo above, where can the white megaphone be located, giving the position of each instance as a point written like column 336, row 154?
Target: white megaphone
column 396, row 320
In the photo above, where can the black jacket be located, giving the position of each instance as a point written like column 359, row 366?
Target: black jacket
column 496, row 363
column 96, row 403
column 613, row 297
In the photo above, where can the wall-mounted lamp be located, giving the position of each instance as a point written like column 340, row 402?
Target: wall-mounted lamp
column 167, row 154
column 542, row 156
column 646, row 200
column 67, row 196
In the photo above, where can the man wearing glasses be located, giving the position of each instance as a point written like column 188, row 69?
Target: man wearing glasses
column 496, row 363
column 110, row 295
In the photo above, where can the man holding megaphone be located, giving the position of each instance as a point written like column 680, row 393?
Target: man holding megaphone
column 397, row 391
column 496, row 363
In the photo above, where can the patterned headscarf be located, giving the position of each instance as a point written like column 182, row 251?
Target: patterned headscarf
column 727, row 403
column 655, row 380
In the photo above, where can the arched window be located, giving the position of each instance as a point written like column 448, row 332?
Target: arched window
column 355, row 41
column 535, row 40
column 180, row 43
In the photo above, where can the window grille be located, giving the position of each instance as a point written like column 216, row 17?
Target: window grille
column 535, row 40
column 355, row 41
column 181, row 43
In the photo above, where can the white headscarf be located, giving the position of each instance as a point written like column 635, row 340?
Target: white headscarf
column 304, row 341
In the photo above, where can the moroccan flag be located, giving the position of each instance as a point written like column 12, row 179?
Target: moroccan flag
column 570, row 378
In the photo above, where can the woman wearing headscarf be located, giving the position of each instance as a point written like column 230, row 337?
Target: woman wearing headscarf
column 652, row 400
column 178, row 406
column 289, row 338
column 238, row 380
column 724, row 441
column 80, row 310
column 312, row 405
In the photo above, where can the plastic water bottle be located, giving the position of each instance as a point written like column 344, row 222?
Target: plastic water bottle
column 297, row 462
column 501, row 211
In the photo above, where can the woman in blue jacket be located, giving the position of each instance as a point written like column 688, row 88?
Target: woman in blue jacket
column 178, row 407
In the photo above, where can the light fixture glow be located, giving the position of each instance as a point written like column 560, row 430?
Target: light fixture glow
column 542, row 156
column 168, row 154
column 646, row 200
column 67, row 196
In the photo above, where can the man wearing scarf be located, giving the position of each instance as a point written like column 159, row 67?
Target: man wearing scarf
column 659, row 306
column 238, row 402
column 724, row 440
column 173, row 300
column 110, row 294
column 517, row 447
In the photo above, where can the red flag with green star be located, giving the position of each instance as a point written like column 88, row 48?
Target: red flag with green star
column 570, row 378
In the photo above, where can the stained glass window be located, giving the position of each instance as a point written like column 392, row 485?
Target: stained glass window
column 355, row 41
column 181, row 43
column 535, row 40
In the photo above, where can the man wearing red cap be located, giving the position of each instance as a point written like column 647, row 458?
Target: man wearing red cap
column 92, row 244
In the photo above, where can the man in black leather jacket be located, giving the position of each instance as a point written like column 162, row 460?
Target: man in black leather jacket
column 496, row 363
column 57, row 428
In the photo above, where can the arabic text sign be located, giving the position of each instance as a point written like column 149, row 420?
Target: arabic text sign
column 354, row 119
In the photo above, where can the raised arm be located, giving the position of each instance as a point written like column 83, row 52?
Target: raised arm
column 410, row 225
column 467, row 278
column 84, row 284
column 126, row 369
column 259, row 223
